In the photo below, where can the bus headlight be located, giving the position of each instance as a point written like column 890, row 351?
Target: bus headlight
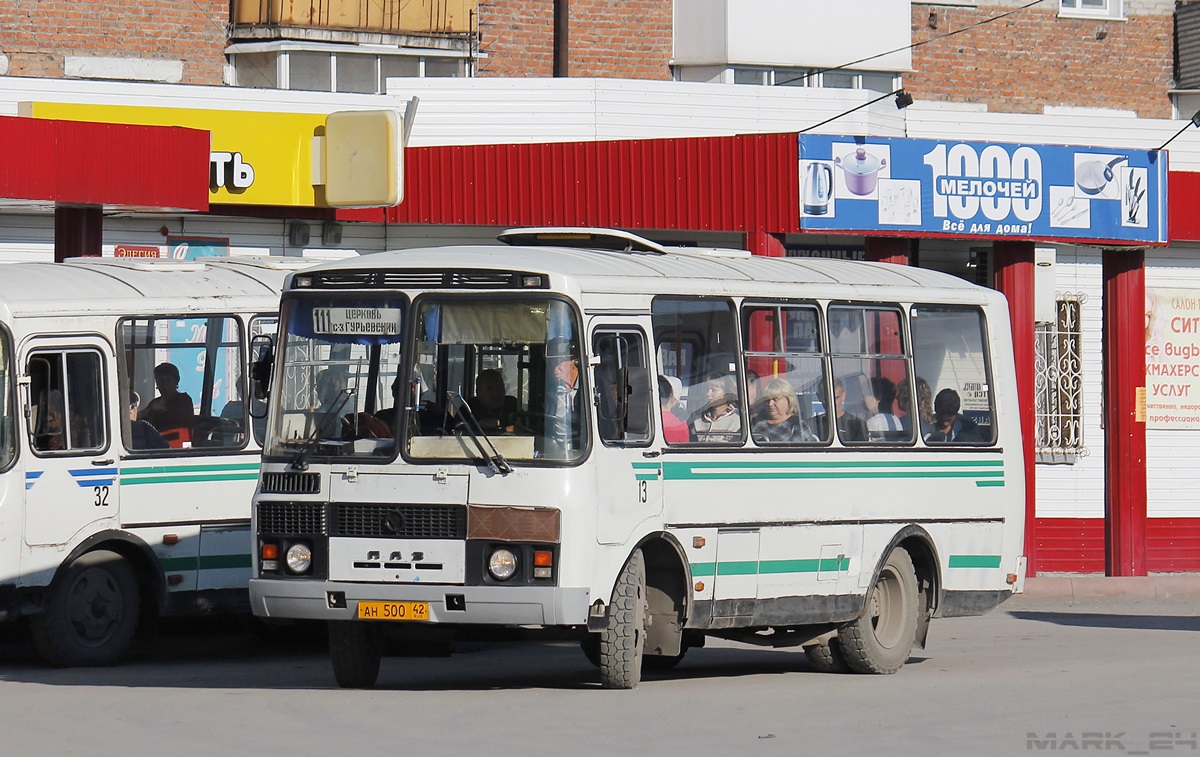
column 502, row 564
column 299, row 558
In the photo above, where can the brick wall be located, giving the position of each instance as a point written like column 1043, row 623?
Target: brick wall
column 627, row 39
column 38, row 36
column 1033, row 58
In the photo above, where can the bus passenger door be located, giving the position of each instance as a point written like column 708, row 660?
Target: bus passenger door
column 628, row 470
column 71, row 475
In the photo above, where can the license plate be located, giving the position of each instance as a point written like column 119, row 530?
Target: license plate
column 393, row 610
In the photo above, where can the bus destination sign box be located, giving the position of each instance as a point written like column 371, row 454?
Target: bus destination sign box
column 359, row 321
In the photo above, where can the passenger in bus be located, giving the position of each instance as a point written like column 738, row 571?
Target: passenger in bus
column 565, row 420
column 172, row 411
column 142, row 435
column 720, row 420
column 492, row 406
column 851, row 428
column 884, row 425
column 924, row 408
column 675, row 431
column 950, row 425
column 388, row 415
column 49, row 435
column 781, row 421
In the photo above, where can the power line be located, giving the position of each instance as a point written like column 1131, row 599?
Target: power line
column 806, row 76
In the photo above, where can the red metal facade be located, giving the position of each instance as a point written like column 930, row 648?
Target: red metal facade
column 151, row 167
column 741, row 183
column 1183, row 206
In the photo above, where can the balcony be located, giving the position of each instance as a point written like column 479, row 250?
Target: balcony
column 346, row 20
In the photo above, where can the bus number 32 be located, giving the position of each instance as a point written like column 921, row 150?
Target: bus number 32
column 101, row 496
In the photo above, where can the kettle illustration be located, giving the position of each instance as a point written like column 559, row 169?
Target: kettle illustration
column 816, row 189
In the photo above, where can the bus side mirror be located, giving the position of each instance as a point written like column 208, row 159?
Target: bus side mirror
column 262, row 363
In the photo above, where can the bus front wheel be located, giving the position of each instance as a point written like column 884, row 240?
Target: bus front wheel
column 621, row 642
column 882, row 637
column 355, row 648
column 91, row 612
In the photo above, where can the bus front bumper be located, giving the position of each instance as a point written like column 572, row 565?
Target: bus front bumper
column 497, row 605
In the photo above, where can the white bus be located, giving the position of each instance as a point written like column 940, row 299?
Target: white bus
column 593, row 434
column 116, row 508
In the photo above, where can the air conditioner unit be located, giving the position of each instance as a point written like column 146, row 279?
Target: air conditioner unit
column 298, row 234
column 331, row 234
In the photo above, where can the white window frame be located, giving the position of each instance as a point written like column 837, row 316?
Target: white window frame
column 1112, row 9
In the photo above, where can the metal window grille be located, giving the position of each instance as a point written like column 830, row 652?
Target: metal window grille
column 1058, row 385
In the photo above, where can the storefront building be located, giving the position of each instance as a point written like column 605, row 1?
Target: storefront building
column 1097, row 278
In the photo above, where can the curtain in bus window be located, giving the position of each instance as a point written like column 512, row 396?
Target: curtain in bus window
column 953, row 378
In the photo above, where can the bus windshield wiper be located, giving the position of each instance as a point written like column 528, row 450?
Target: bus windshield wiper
column 495, row 460
column 299, row 460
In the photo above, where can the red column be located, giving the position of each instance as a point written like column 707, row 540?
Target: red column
column 887, row 250
column 1125, row 435
column 765, row 243
column 1013, row 266
column 78, row 231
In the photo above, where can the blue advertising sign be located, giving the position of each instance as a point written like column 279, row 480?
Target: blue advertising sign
column 983, row 189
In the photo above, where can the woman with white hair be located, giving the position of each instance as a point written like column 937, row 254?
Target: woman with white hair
column 781, row 421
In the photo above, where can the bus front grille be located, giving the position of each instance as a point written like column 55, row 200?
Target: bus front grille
column 291, row 483
column 291, row 518
column 408, row 521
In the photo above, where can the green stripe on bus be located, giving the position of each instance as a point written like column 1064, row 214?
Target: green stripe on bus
column 989, row 483
column 645, row 466
column 207, row 562
column 646, row 477
column 767, row 567
column 741, row 476
column 136, row 470
column 135, row 480
column 836, row 464
column 974, row 561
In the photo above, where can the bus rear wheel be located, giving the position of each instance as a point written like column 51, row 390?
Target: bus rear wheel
column 621, row 642
column 91, row 612
column 881, row 639
column 827, row 657
column 355, row 648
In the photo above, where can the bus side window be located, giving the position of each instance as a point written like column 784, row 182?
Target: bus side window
column 623, row 397
column 66, row 392
column 696, row 340
column 954, row 397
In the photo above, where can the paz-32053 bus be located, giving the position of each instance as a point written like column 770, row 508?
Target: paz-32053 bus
column 586, row 432
column 128, row 456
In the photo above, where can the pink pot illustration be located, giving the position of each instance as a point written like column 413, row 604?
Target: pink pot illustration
column 861, row 171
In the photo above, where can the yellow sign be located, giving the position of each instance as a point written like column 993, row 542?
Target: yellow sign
column 256, row 159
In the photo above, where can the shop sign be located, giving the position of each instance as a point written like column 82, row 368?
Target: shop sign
column 136, row 251
column 256, row 158
column 1172, row 358
column 982, row 190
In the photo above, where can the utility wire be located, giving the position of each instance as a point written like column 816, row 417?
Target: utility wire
column 810, row 74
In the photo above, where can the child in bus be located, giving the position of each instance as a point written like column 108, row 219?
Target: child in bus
column 884, row 424
column 720, row 420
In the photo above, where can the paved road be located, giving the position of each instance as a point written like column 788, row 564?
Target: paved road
column 1036, row 676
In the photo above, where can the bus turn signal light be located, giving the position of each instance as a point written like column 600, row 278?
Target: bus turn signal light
column 270, row 552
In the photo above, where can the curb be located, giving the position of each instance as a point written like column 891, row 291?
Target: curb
column 1178, row 586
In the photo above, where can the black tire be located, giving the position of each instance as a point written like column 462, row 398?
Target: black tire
column 355, row 648
column 90, row 614
column 827, row 657
column 621, row 643
column 882, row 638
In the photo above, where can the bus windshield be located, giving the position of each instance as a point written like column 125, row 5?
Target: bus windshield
column 489, row 378
column 8, row 418
column 496, row 375
column 338, row 381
